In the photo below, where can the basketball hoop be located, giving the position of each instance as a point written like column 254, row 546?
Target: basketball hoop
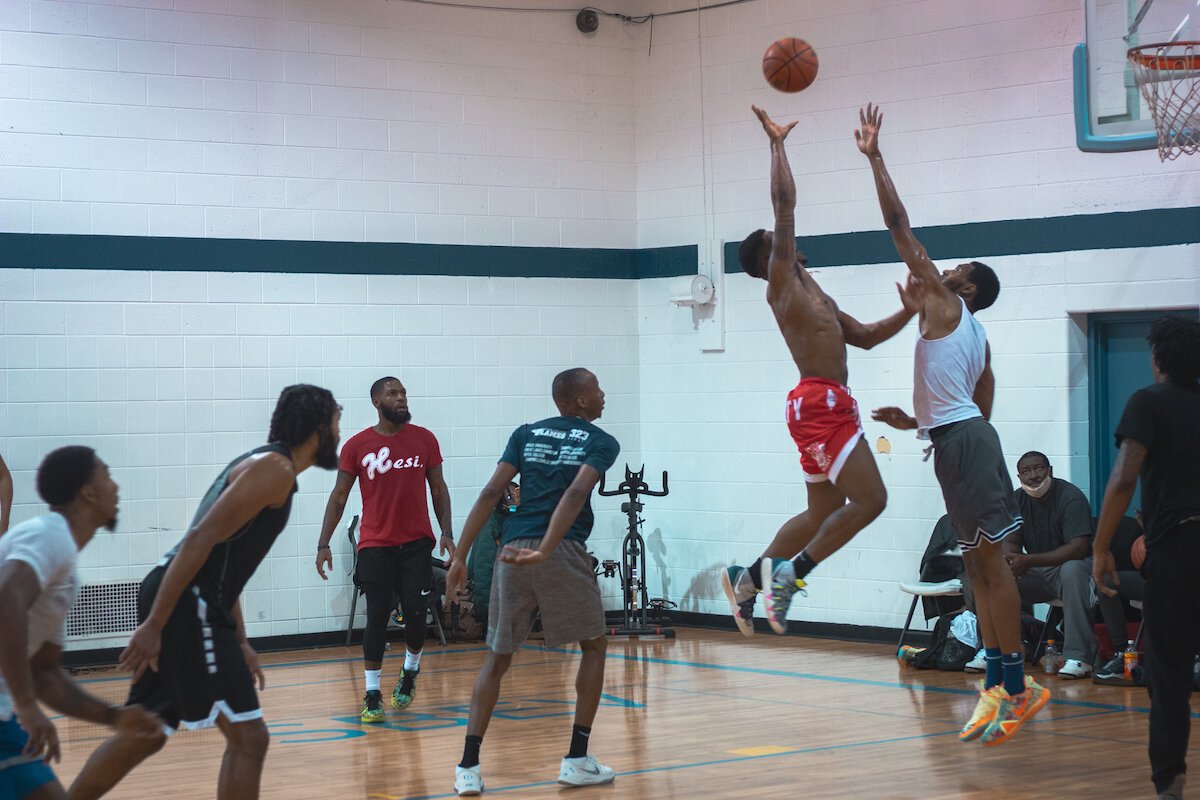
column 1168, row 76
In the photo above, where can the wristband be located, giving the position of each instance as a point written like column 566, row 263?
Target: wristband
column 321, row 547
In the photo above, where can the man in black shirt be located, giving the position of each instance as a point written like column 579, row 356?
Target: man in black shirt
column 1159, row 439
column 1055, row 565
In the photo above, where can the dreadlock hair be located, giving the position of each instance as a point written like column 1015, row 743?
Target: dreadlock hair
column 63, row 473
column 1175, row 343
column 987, row 285
column 301, row 411
column 378, row 385
column 748, row 252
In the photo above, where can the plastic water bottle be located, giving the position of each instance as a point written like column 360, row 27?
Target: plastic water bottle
column 1130, row 657
column 1050, row 659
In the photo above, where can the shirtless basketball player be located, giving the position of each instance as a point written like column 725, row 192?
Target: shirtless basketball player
column 845, row 491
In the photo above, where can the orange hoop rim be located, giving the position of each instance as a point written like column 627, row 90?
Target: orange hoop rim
column 1161, row 61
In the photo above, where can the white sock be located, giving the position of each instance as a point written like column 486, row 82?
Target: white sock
column 412, row 660
column 371, row 676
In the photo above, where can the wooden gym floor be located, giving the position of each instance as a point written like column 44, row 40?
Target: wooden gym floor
column 708, row 715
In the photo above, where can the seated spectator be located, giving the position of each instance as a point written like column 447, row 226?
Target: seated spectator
column 1127, row 544
column 482, row 558
column 1050, row 559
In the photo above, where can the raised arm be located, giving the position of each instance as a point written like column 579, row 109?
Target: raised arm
column 264, row 482
column 867, row 335
column 895, row 217
column 783, row 200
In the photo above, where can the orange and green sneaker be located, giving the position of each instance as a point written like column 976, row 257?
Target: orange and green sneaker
column 985, row 712
column 1013, row 712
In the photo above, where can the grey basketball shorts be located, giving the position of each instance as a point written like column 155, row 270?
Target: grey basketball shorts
column 969, row 465
column 563, row 588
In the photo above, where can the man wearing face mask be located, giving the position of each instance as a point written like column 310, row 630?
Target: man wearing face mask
column 1050, row 558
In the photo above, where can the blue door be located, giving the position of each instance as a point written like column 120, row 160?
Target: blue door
column 1120, row 365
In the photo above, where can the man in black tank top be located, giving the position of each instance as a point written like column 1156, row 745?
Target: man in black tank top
column 192, row 637
column 1159, row 439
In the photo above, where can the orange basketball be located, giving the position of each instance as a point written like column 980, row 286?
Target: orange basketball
column 1137, row 552
column 790, row 64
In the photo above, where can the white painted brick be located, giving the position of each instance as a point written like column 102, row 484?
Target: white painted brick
column 362, row 134
column 146, row 123
column 227, row 31
column 256, row 129
column 230, row 95
column 441, row 228
column 310, row 68
column 256, row 65
column 362, row 196
column 288, row 162
column 148, row 58
column 174, row 156
column 285, row 224
column 59, row 217
column 387, row 104
column 31, row 183
column 310, row 132
column 338, row 226
column 115, row 22
column 203, row 126
column 177, row 220
column 58, row 84
column 389, row 227
column 230, row 159
column 174, row 26
column 141, row 187
column 311, row 194
column 30, row 49
column 232, row 223
column 368, row 73
column 205, row 190
column 202, row 61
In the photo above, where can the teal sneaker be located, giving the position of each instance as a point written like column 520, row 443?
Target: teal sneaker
column 372, row 710
column 741, row 592
column 779, row 585
column 406, row 689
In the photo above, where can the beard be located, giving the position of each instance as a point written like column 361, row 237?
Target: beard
column 396, row 417
column 327, row 455
column 111, row 525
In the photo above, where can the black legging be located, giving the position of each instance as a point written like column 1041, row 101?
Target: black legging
column 384, row 572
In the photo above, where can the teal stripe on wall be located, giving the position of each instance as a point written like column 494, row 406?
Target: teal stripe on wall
column 1152, row 228
column 980, row 240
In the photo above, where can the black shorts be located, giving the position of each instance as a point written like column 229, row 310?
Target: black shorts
column 397, row 566
column 969, row 465
column 201, row 669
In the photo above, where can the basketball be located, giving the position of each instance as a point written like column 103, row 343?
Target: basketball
column 1137, row 552
column 790, row 64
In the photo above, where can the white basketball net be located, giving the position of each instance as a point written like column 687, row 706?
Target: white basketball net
column 1168, row 76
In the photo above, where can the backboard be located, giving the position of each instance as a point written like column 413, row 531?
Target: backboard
column 1110, row 114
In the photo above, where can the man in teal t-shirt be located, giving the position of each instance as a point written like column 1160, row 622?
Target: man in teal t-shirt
column 544, row 566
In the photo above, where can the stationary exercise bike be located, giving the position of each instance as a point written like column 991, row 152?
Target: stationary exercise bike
column 640, row 615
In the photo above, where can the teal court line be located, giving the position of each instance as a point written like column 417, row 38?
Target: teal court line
column 710, row 763
column 780, row 673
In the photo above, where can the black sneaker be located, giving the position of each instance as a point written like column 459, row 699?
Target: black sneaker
column 406, row 689
column 372, row 710
column 1112, row 673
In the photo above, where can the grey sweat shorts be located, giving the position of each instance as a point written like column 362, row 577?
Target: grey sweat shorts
column 969, row 465
column 563, row 588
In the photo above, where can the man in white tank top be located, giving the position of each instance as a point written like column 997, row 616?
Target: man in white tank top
column 952, row 395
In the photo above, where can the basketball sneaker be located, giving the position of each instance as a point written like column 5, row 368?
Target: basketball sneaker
column 406, row 689
column 985, row 712
column 741, row 592
column 779, row 585
column 1013, row 712
column 372, row 710
column 467, row 781
column 585, row 771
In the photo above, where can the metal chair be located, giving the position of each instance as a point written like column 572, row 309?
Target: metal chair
column 920, row 589
column 434, row 608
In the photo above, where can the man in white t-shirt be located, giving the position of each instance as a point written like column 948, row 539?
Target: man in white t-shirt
column 37, row 588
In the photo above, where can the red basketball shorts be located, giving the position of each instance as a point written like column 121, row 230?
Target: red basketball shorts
column 823, row 420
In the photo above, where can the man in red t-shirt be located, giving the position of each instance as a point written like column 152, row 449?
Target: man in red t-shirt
column 392, row 461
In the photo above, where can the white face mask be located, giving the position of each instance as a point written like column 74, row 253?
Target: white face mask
column 1039, row 491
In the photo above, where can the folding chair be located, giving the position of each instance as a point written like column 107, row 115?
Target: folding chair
column 920, row 589
column 434, row 608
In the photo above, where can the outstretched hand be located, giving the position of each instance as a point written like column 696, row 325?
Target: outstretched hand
column 867, row 136
column 775, row 131
column 894, row 416
column 912, row 294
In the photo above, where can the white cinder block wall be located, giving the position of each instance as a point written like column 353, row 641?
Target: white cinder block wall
column 978, row 126
column 389, row 121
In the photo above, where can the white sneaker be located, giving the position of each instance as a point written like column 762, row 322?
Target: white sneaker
column 1073, row 668
column 976, row 664
column 586, row 771
column 467, row 781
